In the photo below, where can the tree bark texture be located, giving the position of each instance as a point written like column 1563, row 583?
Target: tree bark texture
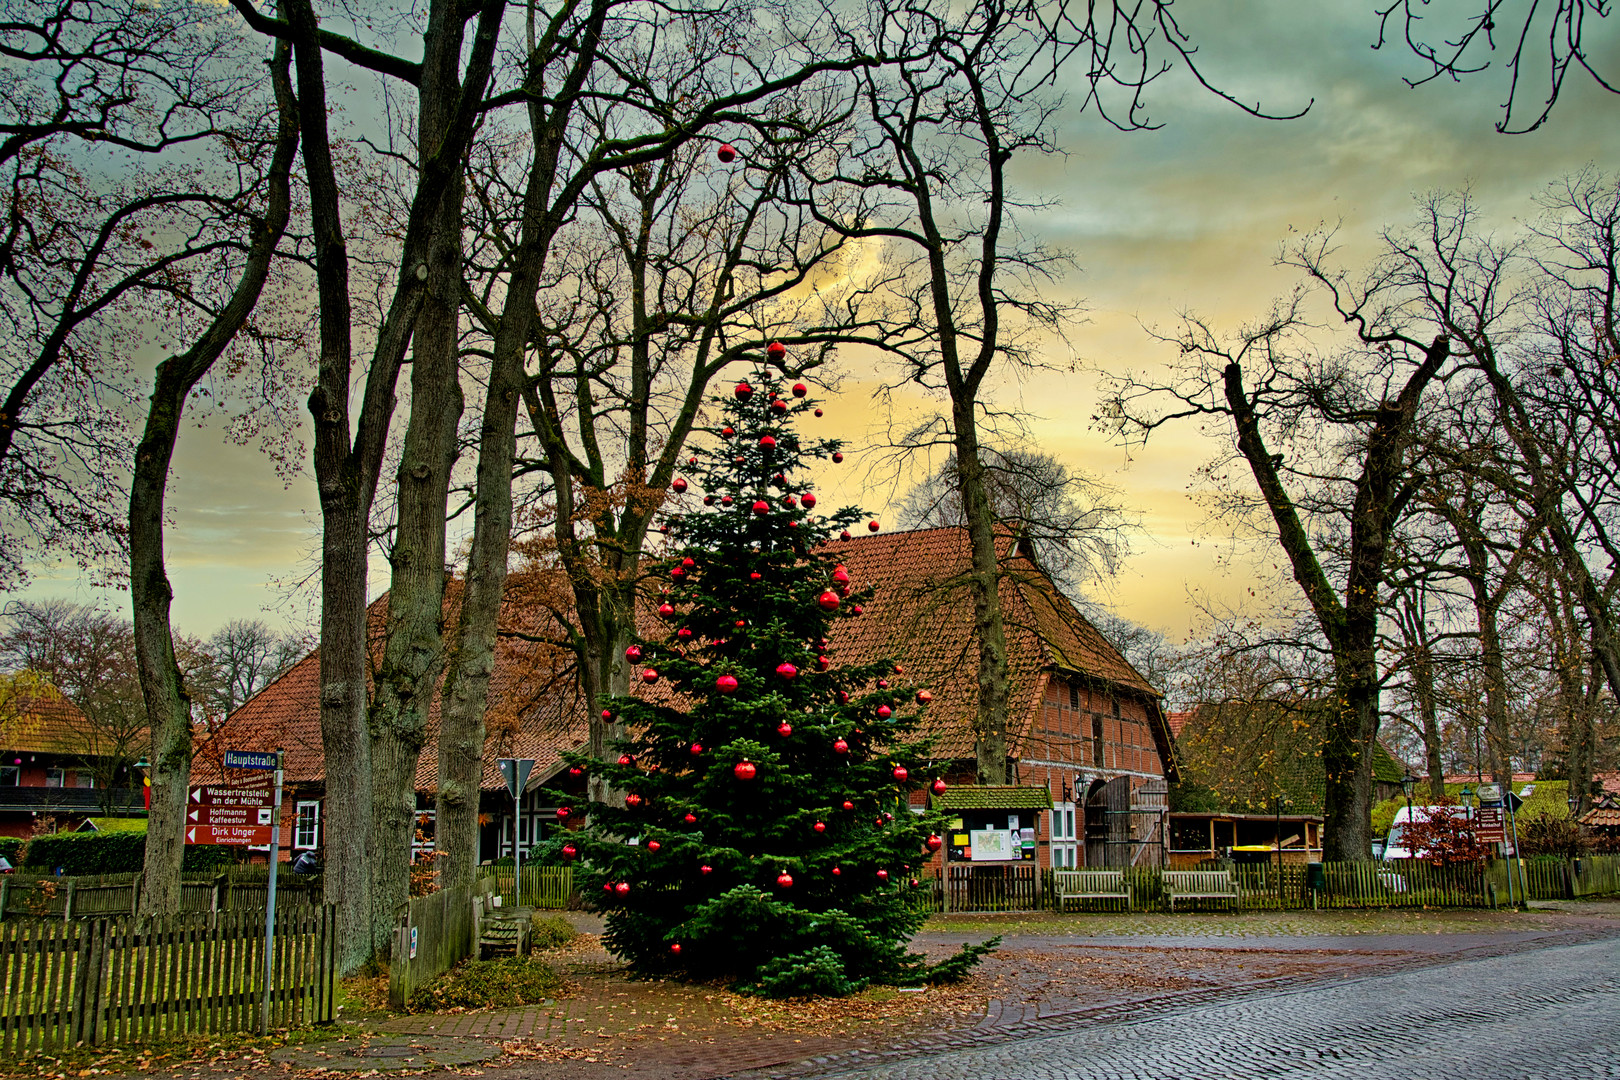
column 168, row 704
column 347, row 468
column 472, row 663
column 413, row 651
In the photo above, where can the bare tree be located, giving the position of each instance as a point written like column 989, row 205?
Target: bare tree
column 118, row 126
column 665, row 94
column 938, row 135
column 1075, row 522
column 1461, row 37
column 349, row 449
column 1329, row 440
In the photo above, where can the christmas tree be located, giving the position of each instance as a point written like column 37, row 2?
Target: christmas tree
column 765, row 832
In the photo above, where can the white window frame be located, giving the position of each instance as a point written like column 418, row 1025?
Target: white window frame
column 1065, row 838
column 56, row 777
column 301, row 842
column 10, row 776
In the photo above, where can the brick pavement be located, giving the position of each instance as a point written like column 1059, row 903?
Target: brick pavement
column 1544, row 1012
column 1040, row 984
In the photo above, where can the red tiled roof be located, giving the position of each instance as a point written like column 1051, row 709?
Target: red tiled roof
column 534, row 709
column 1177, row 721
column 921, row 616
column 45, row 723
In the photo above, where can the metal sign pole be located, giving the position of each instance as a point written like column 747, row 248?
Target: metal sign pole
column 270, row 903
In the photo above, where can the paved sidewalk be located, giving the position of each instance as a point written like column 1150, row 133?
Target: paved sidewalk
column 1550, row 1012
column 1049, row 975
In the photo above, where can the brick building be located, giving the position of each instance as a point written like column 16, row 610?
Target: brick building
column 1088, row 736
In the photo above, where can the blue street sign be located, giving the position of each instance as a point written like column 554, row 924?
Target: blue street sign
column 250, row 759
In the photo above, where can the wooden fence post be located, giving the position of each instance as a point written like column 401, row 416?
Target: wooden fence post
column 67, row 903
column 5, row 896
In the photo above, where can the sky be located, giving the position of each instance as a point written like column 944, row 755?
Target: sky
column 1188, row 217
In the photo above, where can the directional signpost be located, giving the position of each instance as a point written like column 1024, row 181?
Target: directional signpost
column 246, row 814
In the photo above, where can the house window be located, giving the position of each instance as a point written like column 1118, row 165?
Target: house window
column 56, row 778
column 84, row 780
column 1064, row 849
column 10, row 776
column 307, row 831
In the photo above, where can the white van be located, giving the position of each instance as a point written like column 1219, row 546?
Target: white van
column 1395, row 842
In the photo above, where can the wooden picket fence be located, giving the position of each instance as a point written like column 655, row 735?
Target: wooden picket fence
column 1265, row 886
column 436, row 932
column 550, row 887
column 237, row 889
column 103, row 981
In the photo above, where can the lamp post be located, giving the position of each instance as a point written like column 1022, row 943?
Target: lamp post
column 1408, row 782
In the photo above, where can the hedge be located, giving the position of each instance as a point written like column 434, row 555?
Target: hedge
column 11, row 848
column 76, row 853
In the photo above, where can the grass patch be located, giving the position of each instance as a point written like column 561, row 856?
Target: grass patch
column 489, row 984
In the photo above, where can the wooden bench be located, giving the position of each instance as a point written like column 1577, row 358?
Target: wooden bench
column 1090, row 885
column 1200, row 885
column 503, row 937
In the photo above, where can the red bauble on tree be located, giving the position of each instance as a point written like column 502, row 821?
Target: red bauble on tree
column 679, row 485
column 776, row 350
column 666, row 611
column 633, row 653
column 784, row 729
column 744, row 391
column 934, row 843
column 883, row 875
column 924, row 697
column 884, row 712
column 799, row 389
column 784, row 880
column 649, row 676
column 745, row 770
column 569, row 851
column 563, row 812
column 726, row 153
column 786, row 670
column 840, row 576
column 939, row 787
column 762, row 507
column 632, row 800
column 767, row 442
column 726, row 684
column 840, row 746
column 828, row 600
column 675, row 947
column 654, row 845
column 622, row 888
column 820, row 826
column 848, row 805
column 626, row 759
column 809, row 500
column 900, row 772
column 872, row 526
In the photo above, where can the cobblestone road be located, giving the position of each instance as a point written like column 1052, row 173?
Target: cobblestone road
column 1549, row 1013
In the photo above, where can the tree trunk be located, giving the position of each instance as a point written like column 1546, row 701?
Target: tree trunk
column 413, row 654
column 347, row 472
column 1350, row 626
column 168, row 704
column 990, row 744
column 1546, row 488
column 466, row 689
column 1428, row 711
